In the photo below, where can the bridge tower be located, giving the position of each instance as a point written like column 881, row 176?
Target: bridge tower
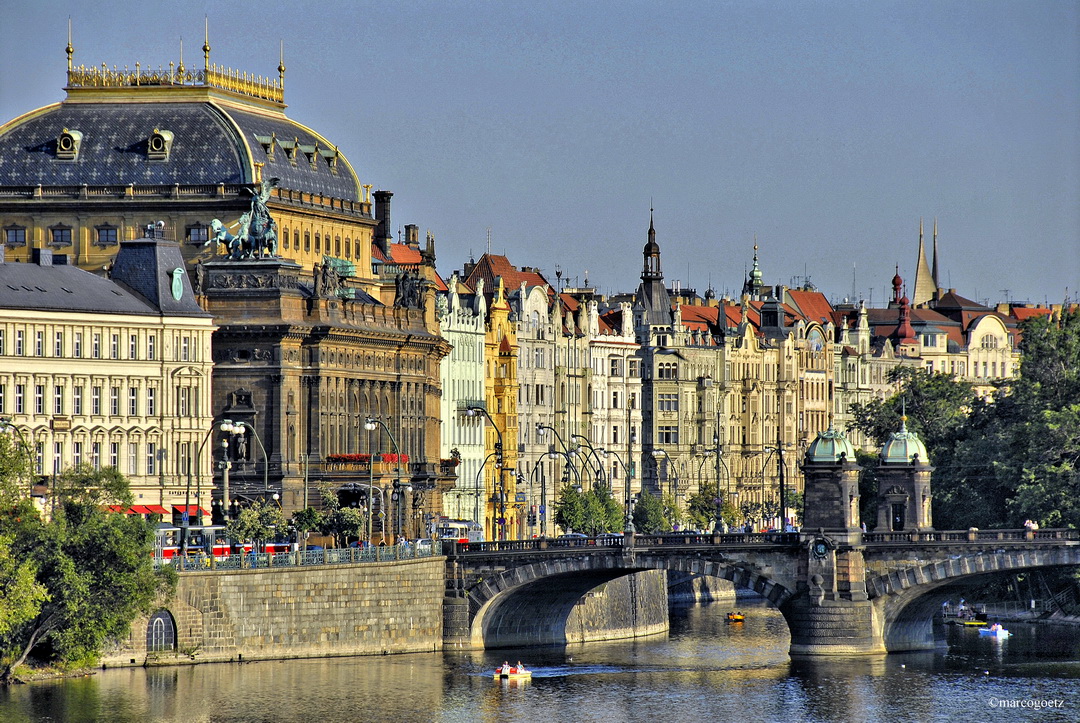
column 831, row 614
column 904, row 481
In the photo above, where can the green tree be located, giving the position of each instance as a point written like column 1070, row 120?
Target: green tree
column 649, row 517
column 701, row 507
column 602, row 512
column 259, row 523
column 570, row 511
column 21, row 595
column 307, row 520
column 341, row 522
column 95, row 567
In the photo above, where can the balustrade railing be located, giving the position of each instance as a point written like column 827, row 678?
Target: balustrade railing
column 280, row 560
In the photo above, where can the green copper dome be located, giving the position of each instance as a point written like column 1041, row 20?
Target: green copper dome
column 829, row 447
column 903, row 447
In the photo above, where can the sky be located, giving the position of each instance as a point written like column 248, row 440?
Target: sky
column 546, row 131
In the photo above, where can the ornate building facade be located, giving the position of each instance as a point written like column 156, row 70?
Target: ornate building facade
column 111, row 372
column 323, row 320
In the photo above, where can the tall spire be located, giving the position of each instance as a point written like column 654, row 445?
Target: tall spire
column 281, row 63
column 937, row 282
column 650, row 270
column 924, row 281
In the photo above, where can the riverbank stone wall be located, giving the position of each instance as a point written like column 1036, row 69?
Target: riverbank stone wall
column 281, row 613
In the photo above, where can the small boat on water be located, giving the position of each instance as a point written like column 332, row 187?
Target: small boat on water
column 512, row 672
column 735, row 617
column 973, row 623
column 995, row 631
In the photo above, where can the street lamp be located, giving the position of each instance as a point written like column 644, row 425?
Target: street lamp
column 478, row 495
column 628, row 530
column 657, row 453
column 266, row 459
column 370, row 424
column 601, row 473
column 227, row 426
column 475, row 410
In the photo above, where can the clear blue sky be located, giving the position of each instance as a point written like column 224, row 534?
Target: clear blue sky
column 825, row 129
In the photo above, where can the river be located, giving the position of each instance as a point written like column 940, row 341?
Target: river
column 705, row 669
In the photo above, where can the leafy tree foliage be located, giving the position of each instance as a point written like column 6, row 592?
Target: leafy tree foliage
column 701, row 507
column 21, row 595
column 589, row 512
column 93, row 571
column 570, row 509
column 259, row 523
column 1002, row 459
column 341, row 522
column 307, row 520
column 649, row 517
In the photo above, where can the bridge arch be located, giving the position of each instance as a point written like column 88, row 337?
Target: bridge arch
column 532, row 603
column 908, row 597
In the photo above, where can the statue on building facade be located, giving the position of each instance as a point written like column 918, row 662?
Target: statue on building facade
column 408, row 290
column 256, row 235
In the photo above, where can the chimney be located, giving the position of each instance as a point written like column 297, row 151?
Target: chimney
column 384, row 234
column 412, row 236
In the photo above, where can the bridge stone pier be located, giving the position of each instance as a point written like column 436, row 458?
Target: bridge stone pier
column 842, row 591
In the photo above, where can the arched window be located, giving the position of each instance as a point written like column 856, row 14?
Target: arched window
column 161, row 632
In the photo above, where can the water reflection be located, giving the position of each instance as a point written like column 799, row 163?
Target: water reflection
column 704, row 668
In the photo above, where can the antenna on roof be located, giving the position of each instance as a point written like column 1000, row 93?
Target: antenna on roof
column 489, row 239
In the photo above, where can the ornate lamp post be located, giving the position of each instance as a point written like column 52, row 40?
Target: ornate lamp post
column 628, row 530
column 601, row 473
column 473, row 411
column 266, row 459
column 370, row 424
column 227, row 426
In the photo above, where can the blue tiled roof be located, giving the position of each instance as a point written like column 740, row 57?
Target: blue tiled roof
column 206, row 148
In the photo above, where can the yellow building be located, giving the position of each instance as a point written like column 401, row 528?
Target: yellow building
column 504, row 515
column 110, row 372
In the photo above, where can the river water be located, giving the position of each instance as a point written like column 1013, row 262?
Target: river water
column 705, row 669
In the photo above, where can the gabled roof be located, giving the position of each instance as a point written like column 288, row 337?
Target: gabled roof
column 492, row 266
column 812, row 305
column 401, row 254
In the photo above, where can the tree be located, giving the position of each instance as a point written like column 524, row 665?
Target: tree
column 21, row 595
column 649, row 518
column 935, row 404
column 602, row 512
column 570, row 509
column 305, row 521
column 701, row 507
column 95, row 567
column 259, row 523
column 341, row 522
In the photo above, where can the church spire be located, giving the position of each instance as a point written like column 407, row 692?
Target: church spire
column 925, row 285
column 651, row 255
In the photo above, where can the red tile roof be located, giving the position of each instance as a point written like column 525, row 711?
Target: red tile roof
column 399, row 254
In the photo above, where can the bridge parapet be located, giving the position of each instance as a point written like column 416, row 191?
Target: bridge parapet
column 973, row 535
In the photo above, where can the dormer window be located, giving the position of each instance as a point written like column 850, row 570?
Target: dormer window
column 67, row 145
column 106, row 235
column 311, row 152
column 290, row 149
column 60, row 235
column 268, row 143
column 331, row 156
column 159, row 145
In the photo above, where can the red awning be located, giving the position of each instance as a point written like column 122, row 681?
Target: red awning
column 156, row 510
column 115, row 508
column 190, row 509
column 139, row 510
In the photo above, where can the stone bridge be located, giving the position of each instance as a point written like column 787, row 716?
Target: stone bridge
column 842, row 592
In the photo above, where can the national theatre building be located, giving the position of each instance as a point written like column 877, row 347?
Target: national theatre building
column 324, row 322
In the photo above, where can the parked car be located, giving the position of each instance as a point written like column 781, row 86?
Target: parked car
column 572, row 539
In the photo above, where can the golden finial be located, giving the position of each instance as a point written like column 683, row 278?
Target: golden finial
column 70, row 47
column 181, row 68
column 206, row 42
column 258, row 171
